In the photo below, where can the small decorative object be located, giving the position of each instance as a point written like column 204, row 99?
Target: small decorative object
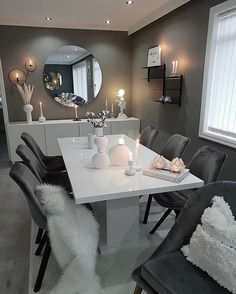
column 76, row 114
column 30, row 65
column 98, row 121
column 177, row 165
column 112, row 111
column 26, row 94
column 17, row 76
column 137, row 152
column 130, row 171
column 121, row 103
column 91, row 138
column 167, row 99
column 159, row 162
column 174, row 67
column 154, row 56
column 119, row 154
column 41, row 118
column 100, row 160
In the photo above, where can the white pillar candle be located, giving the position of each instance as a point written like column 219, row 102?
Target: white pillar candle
column 176, row 66
column 130, row 156
column 106, row 103
column 41, row 108
column 173, row 67
column 112, row 108
column 76, row 112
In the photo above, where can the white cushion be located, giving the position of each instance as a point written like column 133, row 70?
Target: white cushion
column 213, row 245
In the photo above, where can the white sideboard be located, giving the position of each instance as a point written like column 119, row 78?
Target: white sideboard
column 46, row 133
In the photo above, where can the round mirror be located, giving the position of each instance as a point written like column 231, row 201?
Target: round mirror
column 72, row 76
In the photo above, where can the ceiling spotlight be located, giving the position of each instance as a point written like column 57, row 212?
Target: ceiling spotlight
column 108, row 21
column 48, row 18
column 129, row 2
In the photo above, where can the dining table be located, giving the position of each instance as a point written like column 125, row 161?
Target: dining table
column 115, row 196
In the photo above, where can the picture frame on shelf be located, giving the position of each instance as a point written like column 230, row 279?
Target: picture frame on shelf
column 154, row 56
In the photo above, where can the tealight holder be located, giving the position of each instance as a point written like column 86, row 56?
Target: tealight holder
column 131, row 170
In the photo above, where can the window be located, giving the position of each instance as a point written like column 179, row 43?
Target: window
column 80, row 80
column 97, row 77
column 218, row 110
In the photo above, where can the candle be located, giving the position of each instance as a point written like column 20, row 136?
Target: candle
column 41, row 108
column 176, row 66
column 30, row 62
column 121, row 141
column 112, row 108
column 76, row 112
column 17, row 77
column 130, row 157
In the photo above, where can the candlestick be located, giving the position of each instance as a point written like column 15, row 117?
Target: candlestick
column 106, row 104
column 76, row 113
column 41, row 118
column 137, row 152
column 41, row 109
column 112, row 108
column 112, row 111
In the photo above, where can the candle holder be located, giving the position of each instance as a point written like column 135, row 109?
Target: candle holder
column 76, row 114
column 42, row 117
column 131, row 170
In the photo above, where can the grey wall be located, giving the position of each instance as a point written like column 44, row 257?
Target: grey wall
column 182, row 34
column 21, row 43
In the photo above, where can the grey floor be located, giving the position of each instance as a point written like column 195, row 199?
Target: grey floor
column 14, row 236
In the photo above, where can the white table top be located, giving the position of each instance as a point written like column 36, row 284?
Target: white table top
column 93, row 185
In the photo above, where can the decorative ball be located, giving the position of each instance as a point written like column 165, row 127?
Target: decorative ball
column 119, row 155
column 100, row 160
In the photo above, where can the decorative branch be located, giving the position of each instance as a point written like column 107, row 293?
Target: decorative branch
column 26, row 93
column 98, row 121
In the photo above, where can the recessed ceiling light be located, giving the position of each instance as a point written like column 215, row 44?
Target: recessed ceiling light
column 48, row 18
column 130, row 2
column 108, row 21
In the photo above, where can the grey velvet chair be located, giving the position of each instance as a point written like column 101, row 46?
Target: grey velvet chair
column 49, row 163
column 206, row 164
column 148, row 136
column 59, row 178
column 28, row 182
column 167, row 271
column 174, row 147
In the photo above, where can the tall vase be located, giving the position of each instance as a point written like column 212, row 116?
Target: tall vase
column 28, row 108
column 101, row 160
column 98, row 132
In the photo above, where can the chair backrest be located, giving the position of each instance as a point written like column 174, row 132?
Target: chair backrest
column 33, row 146
column 148, row 136
column 175, row 147
column 31, row 161
column 207, row 163
column 190, row 215
column 27, row 182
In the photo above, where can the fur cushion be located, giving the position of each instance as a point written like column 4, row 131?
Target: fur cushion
column 213, row 245
column 73, row 234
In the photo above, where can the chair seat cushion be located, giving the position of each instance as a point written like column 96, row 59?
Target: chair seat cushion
column 172, row 273
column 174, row 200
column 60, row 179
column 55, row 163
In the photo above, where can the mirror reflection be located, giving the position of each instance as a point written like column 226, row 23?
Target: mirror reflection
column 72, row 76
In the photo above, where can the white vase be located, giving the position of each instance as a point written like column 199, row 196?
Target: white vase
column 119, row 155
column 98, row 132
column 28, row 108
column 101, row 160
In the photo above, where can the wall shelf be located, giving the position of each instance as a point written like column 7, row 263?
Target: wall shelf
column 171, row 85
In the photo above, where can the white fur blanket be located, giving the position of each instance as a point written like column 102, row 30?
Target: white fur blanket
column 213, row 245
column 73, row 234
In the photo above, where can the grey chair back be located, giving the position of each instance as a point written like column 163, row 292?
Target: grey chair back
column 31, row 161
column 27, row 182
column 175, row 147
column 190, row 215
column 33, row 146
column 207, row 163
column 148, row 136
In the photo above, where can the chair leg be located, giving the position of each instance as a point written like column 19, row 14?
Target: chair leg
column 137, row 290
column 43, row 267
column 177, row 213
column 39, row 236
column 167, row 212
column 41, row 244
column 147, row 210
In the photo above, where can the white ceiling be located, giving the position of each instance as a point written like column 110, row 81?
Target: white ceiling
column 85, row 14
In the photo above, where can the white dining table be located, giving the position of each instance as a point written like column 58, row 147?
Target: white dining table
column 114, row 196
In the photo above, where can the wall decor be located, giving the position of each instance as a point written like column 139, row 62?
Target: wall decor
column 26, row 94
column 72, row 76
column 30, row 65
column 17, row 76
column 121, row 103
column 154, row 56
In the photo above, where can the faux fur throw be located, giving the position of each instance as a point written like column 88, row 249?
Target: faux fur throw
column 213, row 245
column 73, row 234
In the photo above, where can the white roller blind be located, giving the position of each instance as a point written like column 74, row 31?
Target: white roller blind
column 219, row 94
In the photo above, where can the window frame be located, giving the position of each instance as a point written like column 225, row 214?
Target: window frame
column 208, row 68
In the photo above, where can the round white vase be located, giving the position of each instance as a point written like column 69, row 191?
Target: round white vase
column 119, row 155
column 28, row 108
column 98, row 132
column 101, row 160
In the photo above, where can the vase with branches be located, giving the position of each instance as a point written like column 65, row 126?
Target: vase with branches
column 26, row 93
column 98, row 121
